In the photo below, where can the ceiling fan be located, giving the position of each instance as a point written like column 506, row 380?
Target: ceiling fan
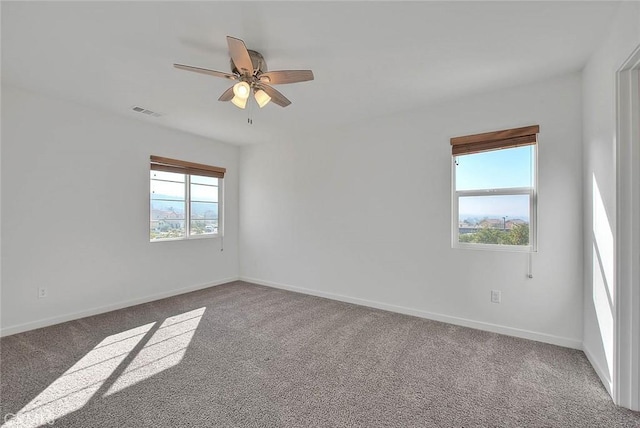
column 250, row 70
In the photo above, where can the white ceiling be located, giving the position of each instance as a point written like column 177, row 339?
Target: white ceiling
column 370, row 59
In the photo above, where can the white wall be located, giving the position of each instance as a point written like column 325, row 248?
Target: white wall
column 75, row 189
column 599, row 89
column 364, row 214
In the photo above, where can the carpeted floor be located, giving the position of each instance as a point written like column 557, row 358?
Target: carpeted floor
column 242, row 355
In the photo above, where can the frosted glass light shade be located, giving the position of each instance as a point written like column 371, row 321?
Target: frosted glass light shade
column 242, row 90
column 262, row 98
column 239, row 102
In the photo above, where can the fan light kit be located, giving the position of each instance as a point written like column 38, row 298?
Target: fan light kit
column 250, row 70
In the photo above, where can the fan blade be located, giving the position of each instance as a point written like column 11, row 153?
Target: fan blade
column 206, row 71
column 240, row 55
column 286, row 76
column 276, row 96
column 226, row 95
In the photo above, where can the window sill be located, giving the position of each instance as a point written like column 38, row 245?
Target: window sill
column 187, row 238
column 494, row 247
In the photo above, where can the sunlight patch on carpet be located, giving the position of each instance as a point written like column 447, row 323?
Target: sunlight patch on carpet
column 76, row 386
column 165, row 349
column 117, row 362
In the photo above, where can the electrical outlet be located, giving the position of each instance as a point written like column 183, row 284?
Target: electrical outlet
column 42, row 292
column 496, row 296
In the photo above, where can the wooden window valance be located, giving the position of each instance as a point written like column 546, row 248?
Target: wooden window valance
column 159, row 163
column 496, row 140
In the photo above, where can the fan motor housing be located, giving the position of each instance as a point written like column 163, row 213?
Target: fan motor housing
column 257, row 60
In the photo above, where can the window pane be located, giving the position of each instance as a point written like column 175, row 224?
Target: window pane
column 204, row 227
column 204, row 210
column 198, row 179
column 502, row 220
column 169, row 176
column 167, row 190
column 167, row 219
column 496, row 169
column 167, row 228
column 167, row 210
column 204, row 193
column 204, row 218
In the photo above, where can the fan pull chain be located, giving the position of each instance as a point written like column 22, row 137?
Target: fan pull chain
column 250, row 112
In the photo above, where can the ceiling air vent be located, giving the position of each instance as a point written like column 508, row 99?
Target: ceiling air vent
column 145, row 111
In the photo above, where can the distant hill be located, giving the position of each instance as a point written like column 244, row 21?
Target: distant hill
column 474, row 219
column 209, row 209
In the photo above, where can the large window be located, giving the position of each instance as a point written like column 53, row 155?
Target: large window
column 185, row 199
column 494, row 190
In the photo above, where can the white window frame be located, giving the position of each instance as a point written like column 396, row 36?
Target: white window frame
column 187, row 211
column 533, row 209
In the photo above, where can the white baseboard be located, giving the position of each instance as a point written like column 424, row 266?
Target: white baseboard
column 479, row 325
column 32, row 325
column 602, row 374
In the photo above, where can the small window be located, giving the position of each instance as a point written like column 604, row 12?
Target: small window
column 185, row 200
column 494, row 190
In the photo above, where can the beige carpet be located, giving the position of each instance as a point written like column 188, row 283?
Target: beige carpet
column 242, row 355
